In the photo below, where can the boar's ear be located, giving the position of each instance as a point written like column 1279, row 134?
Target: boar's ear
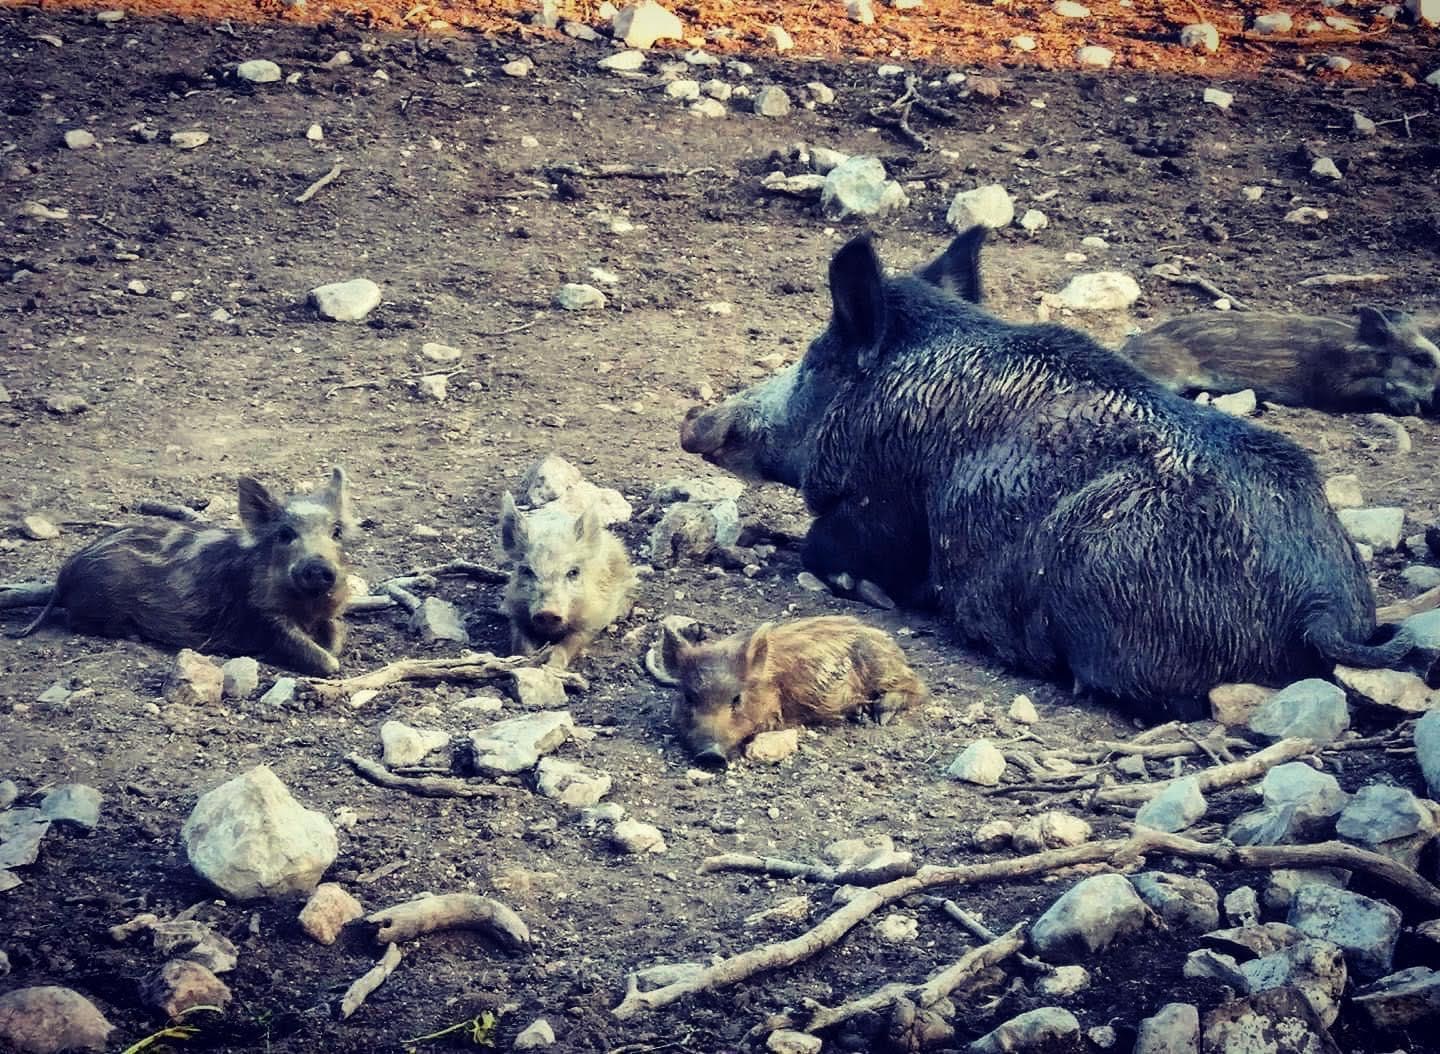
column 257, row 508
column 587, row 525
column 1374, row 327
column 512, row 527
column 337, row 496
column 673, row 648
column 857, row 292
column 757, row 650
column 957, row 269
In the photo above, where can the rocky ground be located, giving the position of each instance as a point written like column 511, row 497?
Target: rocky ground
column 161, row 339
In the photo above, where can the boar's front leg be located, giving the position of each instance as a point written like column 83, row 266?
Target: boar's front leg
column 852, row 540
column 298, row 652
column 330, row 634
column 564, row 651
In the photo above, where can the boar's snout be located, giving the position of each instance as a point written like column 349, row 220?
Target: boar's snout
column 314, row 577
column 711, row 757
column 548, row 621
column 705, row 430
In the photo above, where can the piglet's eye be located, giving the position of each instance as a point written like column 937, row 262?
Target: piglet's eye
column 337, row 532
column 285, row 536
column 573, row 573
column 735, row 703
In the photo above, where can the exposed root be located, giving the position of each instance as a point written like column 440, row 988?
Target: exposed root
column 622, row 171
column 973, row 926
column 370, row 980
column 778, row 868
column 470, row 668
column 451, row 911
column 1173, row 274
column 424, row 786
column 926, row 994
column 25, row 594
column 319, row 185
column 1257, row 764
column 1401, row 610
column 468, row 568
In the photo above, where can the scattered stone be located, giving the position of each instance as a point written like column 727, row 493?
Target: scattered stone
column 1050, row 830
column 993, row 835
column 9, row 794
column 181, row 984
column 708, row 108
column 1235, row 704
column 281, row 693
column 1389, row 820
column 1305, row 215
column 1343, row 492
column 1274, row 23
column 49, row 1019
column 520, row 67
column 258, row 71
column 717, row 90
column 21, row 832
column 1339, row 63
column 1063, row 982
column 570, row 783
column 1175, row 1029
column 980, row 763
column 1095, row 913
column 72, row 804
column 239, row 677
column 1216, row 97
column 1034, row 220
column 1283, row 882
column 1070, row 9
column 821, row 94
column 191, row 140
column 193, row 680
column 860, row 187
column 440, row 352
column 772, row 101
column 1182, row 902
column 1237, row 404
column 109, row 17
column 1401, row 999
column 889, row 70
column 1325, row 168
column 1023, row 42
column 1277, row 1021
column 327, row 912
column 251, row 839
column 788, row 1041
column 437, row 619
column 1315, row 968
column 433, row 387
column 537, row 1035
column 623, row 61
column 79, row 139
column 1175, row 808
column 347, row 301
column 516, row 744
column 896, row 928
column 989, row 205
column 1427, row 750
column 1394, row 689
column 634, row 837
column 1242, row 907
column 39, row 529
column 771, row 748
column 1365, row 929
column 684, row 89
column 403, row 746
column 1309, row 709
column 1200, row 36
column 1094, row 56
column 1099, row 291
column 1362, row 125
column 860, row 11
column 537, row 688
column 577, row 297
column 1023, row 710
column 778, row 39
column 1313, row 797
column 1048, row 1028
column 642, row 24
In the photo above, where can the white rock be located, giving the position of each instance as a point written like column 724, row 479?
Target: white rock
column 346, row 301
column 536, row 1036
column 990, row 206
column 980, row 763
column 79, row 139
column 281, row 693
column 520, row 67
column 771, row 748
column 623, row 61
column 1216, row 97
column 1343, row 492
column 1380, row 813
column 49, row 1019
column 433, row 388
column 1324, row 168
column 1314, row 797
column 897, row 928
column 642, row 24
column 1365, row 929
column 1048, row 1028
column 1433, row 78
column 778, row 39
column 438, row 619
column 821, row 94
column 403, row 745
column 1175, row 808
column 1034, row 220
column 74, row 804
column 193, row 680
column 258, row 71
column 1427, row 750
column 440, row 352
column 683, row 89
column 250, row 838
column 889, row 70
column 1305, row 215
column 1274, row 23
column 1095, row 913
column 1174, row 1029
column 1200, row 36
column 1023, row 710
column 327, row 912
column 717, row 89
column 189, row 140
column 574, row 296
column 1242, row 907
column 859, row 187
column 804, row 185
column 1050, row 830
column 537, row 688
column 992, row 835
column 571, row 783
column 516, row 744
column 1100, row 291
column 1063, row 982
column 708, row 108
column 1236, row 404
column 1401, row 1000
column 860, row 11
column 1094, row 56
column 632, row 836
column 1023, row 43
column 1308, row 709
column 1182, row 902
column 772, row 101
column 697, row 57
column 1380, row 527
column 1070, row 9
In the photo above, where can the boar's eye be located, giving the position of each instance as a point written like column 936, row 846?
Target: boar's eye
column 573, row 573
column 527, row 571
column 735, row 703
column 337, row 532
column 285, row 536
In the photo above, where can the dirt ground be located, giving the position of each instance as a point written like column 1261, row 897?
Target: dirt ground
column 470, row 231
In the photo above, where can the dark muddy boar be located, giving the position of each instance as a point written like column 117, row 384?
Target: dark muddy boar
column 813, row 671
column 276, row 589
column 1382, row 362
column 1067, row 512
column 571, row 578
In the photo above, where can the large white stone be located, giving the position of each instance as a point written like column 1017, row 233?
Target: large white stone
column 859, row 186
column 251, row 838
column 642, row 24
column 1309, row 709
column 515, row 745
column 980, row 763
column 1380, row 527
column 1091, row 916
column 1365, row 929
column 1175, row 808
column 1047, row 1028
column 989, row 206
column 346, row 301
column 404, row 745
column 1174, row 1029
column 1100, row 291
column 570, row 783
column 258, row 71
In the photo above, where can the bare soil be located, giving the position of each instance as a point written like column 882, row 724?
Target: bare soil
column 470, row 232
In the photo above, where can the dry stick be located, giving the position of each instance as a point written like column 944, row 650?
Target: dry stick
column 361, row 605
column 976, row 928
column 470, row 668
column 370, row 980
column 617, row 171
column 25, row 594
column 1119, row 852
column 1143, row 750
column 319, row 185
column 451, row 911
column 1256, row 764
column 468, row 568
column 1400, row 611
column 779, row 868
column 170, row 512
column 402, row 596
column 1203, row 284
column 424, row 786
column 331, row 392
column 927, row 993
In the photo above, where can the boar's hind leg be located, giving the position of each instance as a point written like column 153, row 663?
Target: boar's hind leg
column 891, row 557
column 295, row 651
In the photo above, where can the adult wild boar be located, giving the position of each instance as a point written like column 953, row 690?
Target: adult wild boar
column 1068, row 513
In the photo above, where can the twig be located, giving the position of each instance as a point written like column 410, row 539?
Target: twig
column 370, row 980
column 1190, row 278
column 978, row 929
column 25, row 594
column 170, row 512
column 332, row 392
column 470, row 668
column 319, row 185
column 1403, row 609
column 778, row 868
column 927, row 993
column 621, row 171
column 402, row 596
column 361, row 605
column 424, row 786
column 522, row 327
column 451, row 911
column 1256, row 764
column 468, row 568
column 1219, row 756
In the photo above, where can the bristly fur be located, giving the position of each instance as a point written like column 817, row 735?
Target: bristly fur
column 276, row 588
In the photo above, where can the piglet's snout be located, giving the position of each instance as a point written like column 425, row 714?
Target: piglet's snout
column 711, row 757
column 314, row 577
column 548, row 621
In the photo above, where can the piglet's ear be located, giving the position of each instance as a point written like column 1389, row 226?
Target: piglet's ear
column 587, row 525
column 257, row 508
column 512, row 527
column 857, row 294
column 957, row 269
column 673, row 649
column 757, row 650
column 1374, row 327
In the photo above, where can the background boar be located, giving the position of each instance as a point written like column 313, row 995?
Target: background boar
column 275, row 589
column 1078, row 518
column 1383, row 362
column 571, row 578
column 810, row 671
